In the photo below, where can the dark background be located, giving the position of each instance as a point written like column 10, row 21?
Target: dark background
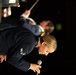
column 64, row 59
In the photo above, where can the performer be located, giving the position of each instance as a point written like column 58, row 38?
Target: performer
column 18, row 41
column 44, row 26
column 27, row 22
column 28, row 26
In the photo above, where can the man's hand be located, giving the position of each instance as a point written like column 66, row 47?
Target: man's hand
column 27, row 13
column 35, row 68
column 2, row 58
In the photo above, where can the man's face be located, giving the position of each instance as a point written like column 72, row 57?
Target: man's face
column 44, row 24
column 44, row 50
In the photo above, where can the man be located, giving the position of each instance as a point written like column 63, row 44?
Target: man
column 27, row 22
column 17, row 42
column 45, row 26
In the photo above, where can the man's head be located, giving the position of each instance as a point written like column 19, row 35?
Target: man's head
column 48, row 44
column 47, row 26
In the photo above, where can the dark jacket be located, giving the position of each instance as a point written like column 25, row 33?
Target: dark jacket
column 33, row 28
column 15, row 22
column 15, row 43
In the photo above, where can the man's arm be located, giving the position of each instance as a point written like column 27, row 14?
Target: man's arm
column 35, row 29
column 16, row 56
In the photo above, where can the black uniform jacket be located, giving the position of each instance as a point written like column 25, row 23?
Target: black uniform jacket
column 15, row 43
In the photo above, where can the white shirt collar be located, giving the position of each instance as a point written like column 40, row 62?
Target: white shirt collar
column 41, row 28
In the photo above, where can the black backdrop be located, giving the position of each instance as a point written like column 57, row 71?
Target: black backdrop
column 59, row 11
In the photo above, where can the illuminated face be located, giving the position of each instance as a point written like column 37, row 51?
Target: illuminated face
column 44, row 24
column 44, row 50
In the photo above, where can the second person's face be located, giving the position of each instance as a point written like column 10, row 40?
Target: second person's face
column 43, row 49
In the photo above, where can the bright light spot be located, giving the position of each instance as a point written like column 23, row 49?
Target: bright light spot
column 5, row 10
column 5, row 15
column 12, row 1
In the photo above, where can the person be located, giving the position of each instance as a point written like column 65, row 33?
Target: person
column 18, row 42
column 45, row 26
column 27, row 22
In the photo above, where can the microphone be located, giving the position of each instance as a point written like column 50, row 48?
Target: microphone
column 39, row 62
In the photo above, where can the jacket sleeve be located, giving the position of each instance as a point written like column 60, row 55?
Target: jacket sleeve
column 20, row 64
column 3, row 46
column 35, row 29
column 16, row 57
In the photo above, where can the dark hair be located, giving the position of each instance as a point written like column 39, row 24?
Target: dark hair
column 50, row 27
